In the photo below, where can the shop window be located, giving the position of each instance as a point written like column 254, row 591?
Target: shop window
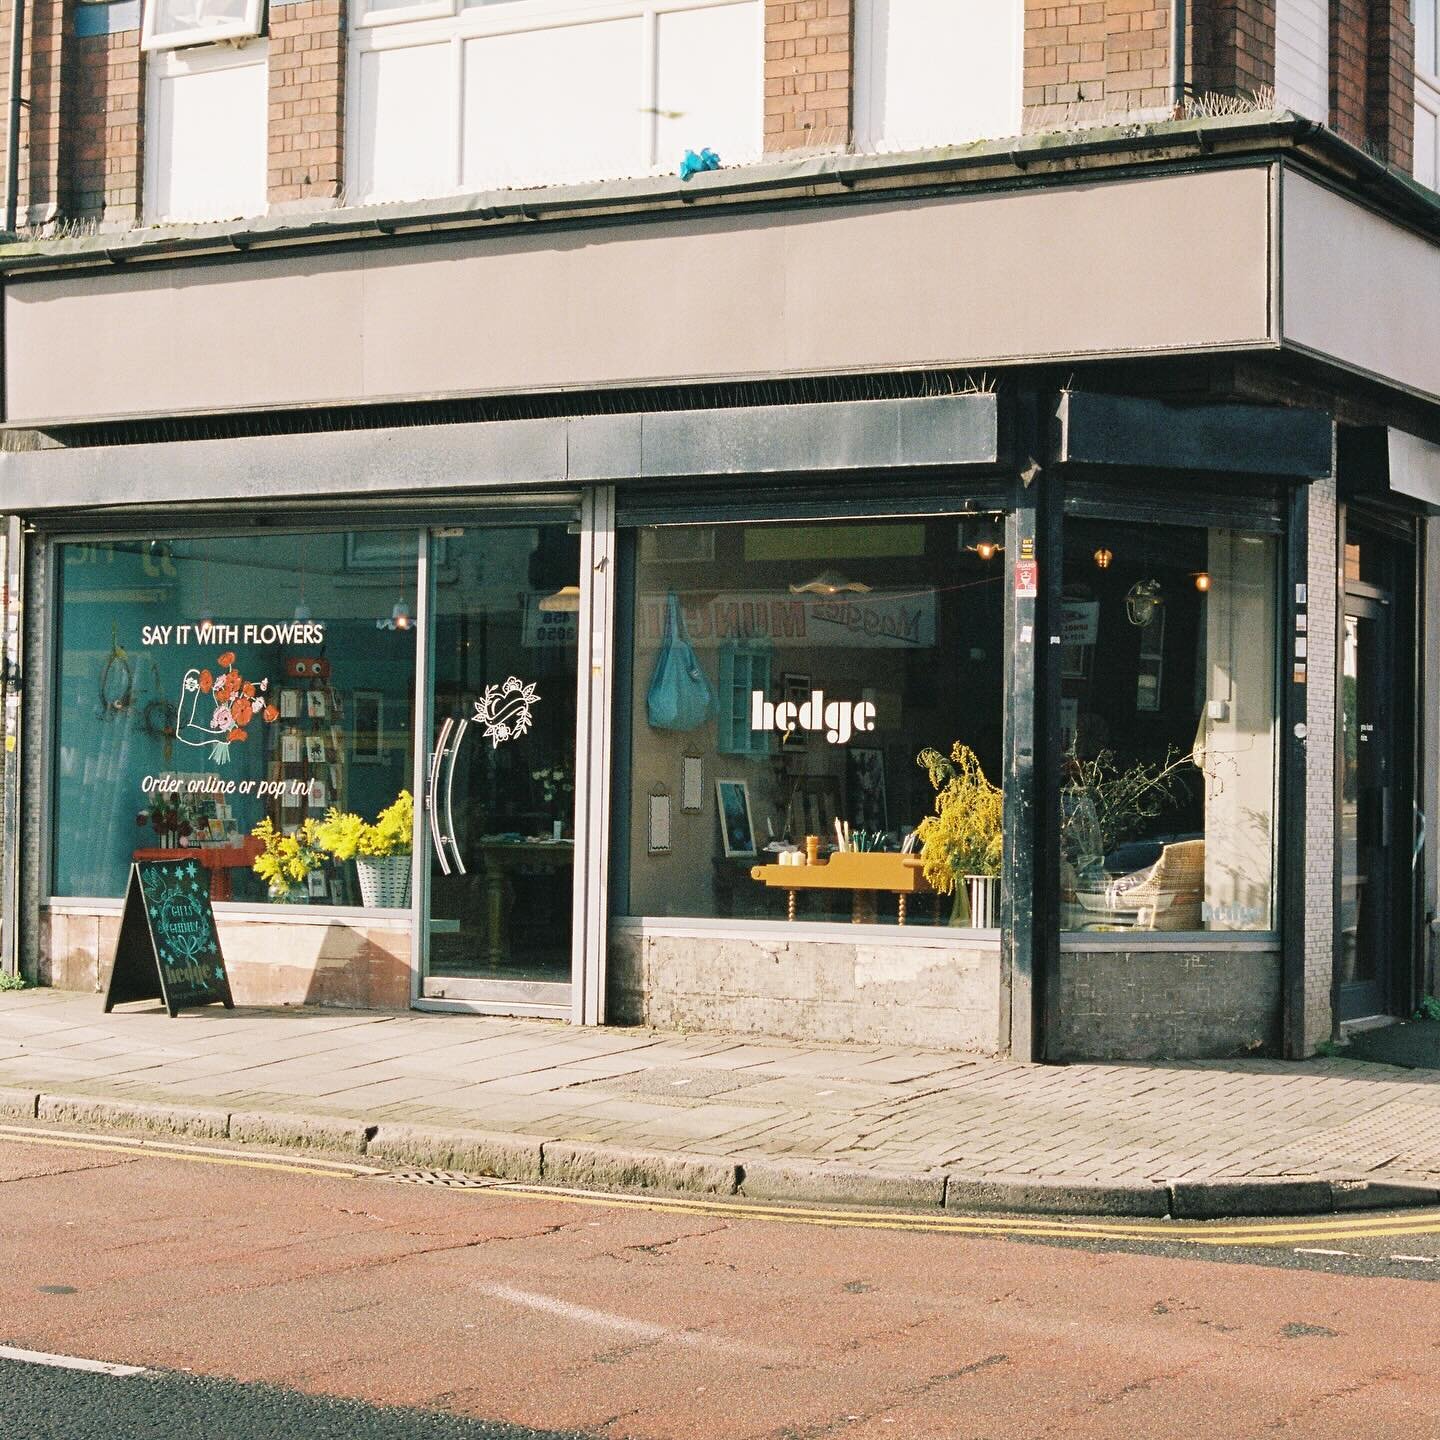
column 205, row 133
column 529, row 92
column 1168, row 722
column 786, row 681
column 934, row 72
column 205, row 685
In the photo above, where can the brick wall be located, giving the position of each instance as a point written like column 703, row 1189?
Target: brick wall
column 1372, row 77
column 307, row 102
column 1232, row 46
column 1390, row 108
column 104, row 129
column 807, row 73
column 40, row 84
column 1111, row 51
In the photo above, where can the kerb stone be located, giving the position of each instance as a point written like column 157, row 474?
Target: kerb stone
column 473, row 1152
column 157, row 1119
column 605, row 1167
column 1219, row 1199
column 18, row 1104
column 828, row 1184
column 300, row 1132
column 1025, row 1195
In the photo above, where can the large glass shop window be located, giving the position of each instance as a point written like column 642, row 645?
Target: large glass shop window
column 1168, row 719
column 208, row 685
column 799, row 691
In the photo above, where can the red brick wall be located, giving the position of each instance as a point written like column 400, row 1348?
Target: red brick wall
column 40, row 84
column 1372, row 77
column 104, row 128
column 1232, row 46
column 1115, row 51
column 807, row 73
column 1390, row 108
column 307, row 101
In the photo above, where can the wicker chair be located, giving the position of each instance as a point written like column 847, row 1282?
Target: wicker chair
column 1165, row 895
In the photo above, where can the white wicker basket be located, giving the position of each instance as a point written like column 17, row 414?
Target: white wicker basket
column 384, row 881
column 984, row 891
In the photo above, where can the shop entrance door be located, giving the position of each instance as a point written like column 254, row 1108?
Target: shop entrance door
column 1367, row 810
column 499, row 800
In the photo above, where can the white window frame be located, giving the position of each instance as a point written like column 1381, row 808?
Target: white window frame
column 222, row 28
column 404, row 29
column 170, row 66
column 1428, row 66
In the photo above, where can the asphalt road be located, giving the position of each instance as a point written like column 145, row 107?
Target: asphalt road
column 685, row 1320
column 38, row 1402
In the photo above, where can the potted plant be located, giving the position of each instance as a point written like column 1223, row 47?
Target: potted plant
column 381, row 851
column 286, row 861
column 962, row 840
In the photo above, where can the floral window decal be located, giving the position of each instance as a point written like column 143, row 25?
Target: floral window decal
column 234, row 703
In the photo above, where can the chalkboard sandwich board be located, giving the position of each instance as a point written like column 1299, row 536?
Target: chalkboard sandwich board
column 168, row 948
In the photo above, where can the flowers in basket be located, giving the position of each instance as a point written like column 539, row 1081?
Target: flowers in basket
column 287, row 860
column 345, row 835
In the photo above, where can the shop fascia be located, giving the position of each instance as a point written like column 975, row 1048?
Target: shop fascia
column 838, row 719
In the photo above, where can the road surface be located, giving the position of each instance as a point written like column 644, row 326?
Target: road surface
column 681, row 1320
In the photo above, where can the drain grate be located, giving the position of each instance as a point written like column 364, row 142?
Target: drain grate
column 445, row 1179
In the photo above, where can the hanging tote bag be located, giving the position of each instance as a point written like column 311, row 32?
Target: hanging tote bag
column 680, row 697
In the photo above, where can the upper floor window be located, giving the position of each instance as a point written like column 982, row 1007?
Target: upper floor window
column 169, row 24
column 448, row 98
column 937, row 72
column 1427, row 37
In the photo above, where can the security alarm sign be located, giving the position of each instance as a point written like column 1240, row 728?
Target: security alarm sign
column 1027, row 579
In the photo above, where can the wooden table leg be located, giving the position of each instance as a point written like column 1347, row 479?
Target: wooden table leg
column 495, row 908
column 902, row 907
column 789, row 904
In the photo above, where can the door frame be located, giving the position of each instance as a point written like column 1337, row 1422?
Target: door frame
column 593, row 512
column 1399, row 598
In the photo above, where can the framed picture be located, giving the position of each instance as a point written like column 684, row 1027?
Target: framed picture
column 368, row 732
column 865, row 789
column 289, row 748
column 315, row 704
column 692, row 784
column 315, row 749
column 658, row 832
column 795, row 689
column 386, row 550
column 315, row 883
column 737, row 827
column 289, row 704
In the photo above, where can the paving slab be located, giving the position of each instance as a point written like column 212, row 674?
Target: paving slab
column 712, row 1113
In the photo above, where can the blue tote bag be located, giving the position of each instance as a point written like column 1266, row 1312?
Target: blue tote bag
column 680, row 697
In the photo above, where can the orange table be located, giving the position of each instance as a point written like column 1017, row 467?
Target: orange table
column 219, row 860
column 863, row 872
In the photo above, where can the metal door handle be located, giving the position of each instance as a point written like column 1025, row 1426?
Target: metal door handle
column 1419, row 849
column 431, row 786
column 460, row 730
column 1385, row 816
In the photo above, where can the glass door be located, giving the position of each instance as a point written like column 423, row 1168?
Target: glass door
column 499, row 801
column 1367, row 810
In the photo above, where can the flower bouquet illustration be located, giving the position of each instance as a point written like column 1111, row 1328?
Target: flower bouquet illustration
column 217, row 706
column 504, row 710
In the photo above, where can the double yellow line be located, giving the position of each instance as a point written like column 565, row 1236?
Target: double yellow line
column 1268, row 1234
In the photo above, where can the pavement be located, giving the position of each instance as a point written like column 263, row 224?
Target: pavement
column 638, row 1110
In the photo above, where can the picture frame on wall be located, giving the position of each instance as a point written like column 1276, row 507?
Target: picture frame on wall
column 865, row 789
column 794, row 689
column 386, row 550
column 367, row 745
column 737, row 825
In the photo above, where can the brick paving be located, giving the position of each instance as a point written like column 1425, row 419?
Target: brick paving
column 879, row 1108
